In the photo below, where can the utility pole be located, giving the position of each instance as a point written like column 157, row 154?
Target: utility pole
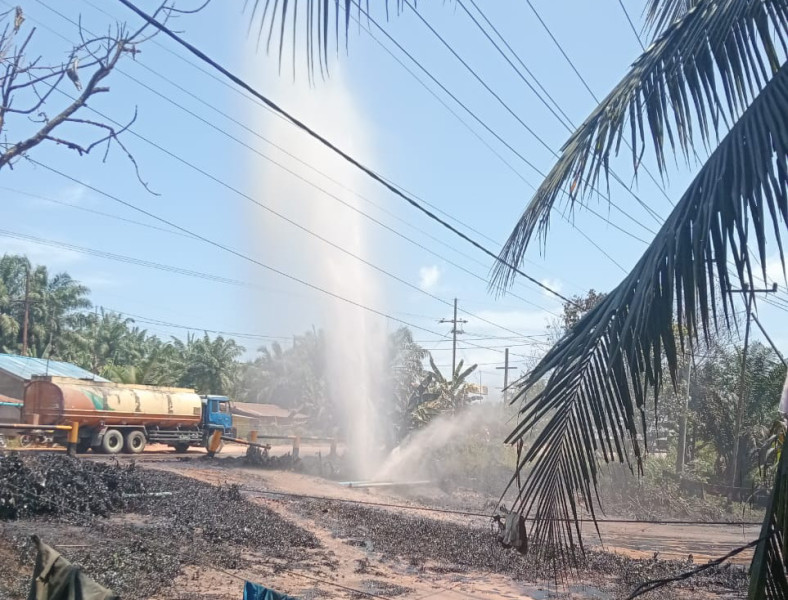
column 455, row 331
column 26, row 324
column 681, row 449
column 750, row 293
column 506, row 369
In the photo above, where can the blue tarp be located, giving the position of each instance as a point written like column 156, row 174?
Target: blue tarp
column 253, row 591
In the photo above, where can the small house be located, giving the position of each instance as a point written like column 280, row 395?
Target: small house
column 249, row 416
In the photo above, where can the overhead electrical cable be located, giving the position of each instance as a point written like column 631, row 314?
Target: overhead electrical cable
column 508, row 108
column 632, row 25
column 479, row 137
column 255, row 100
column 491, row 131
column 451, row 217
column 239, row 254
column 212, row 107
column 305, row 229
column 570, row 127
column 328, row 144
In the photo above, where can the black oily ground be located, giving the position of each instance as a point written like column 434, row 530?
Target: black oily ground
column 455, row 547
column 149, row 537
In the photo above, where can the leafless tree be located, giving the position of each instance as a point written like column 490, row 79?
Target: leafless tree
column 46, row 102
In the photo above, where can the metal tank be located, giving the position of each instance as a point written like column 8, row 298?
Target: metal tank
column 55, row 400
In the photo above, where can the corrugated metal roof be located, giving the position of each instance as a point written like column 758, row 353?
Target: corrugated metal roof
column 25, row 367
column 256, row 411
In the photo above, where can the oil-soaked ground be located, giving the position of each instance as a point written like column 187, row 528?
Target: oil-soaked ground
column 153, row 533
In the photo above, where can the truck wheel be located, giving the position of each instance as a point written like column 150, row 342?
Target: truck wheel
column 135, row 442
column 112, row 442
column 181, row 448
column 83, row 445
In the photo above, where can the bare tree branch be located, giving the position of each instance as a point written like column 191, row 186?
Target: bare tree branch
column 27, row 86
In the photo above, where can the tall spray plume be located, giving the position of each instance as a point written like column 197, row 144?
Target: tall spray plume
column 355, row 338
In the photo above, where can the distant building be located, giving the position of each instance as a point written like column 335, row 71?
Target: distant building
column 249, row 416
column 10, row 410
column 16, row 371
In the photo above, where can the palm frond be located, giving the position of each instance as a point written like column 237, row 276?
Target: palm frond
column 770, row 560
column 594, row 399
column 700, row 74
column 660, row 14
column 318, row 20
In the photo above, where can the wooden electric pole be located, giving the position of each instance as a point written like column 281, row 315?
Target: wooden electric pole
column 506, row 369
column 750, row 293
column 681, row 449
column 26, row 323
column 454, row 331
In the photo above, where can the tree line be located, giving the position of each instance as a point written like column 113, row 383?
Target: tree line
column 718, row 421
column 63, row 324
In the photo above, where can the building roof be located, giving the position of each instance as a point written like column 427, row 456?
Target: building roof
column 26, row 367
column 264, row 411
column 7, row 401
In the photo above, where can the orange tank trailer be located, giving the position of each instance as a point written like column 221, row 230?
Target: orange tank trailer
column 117, row 417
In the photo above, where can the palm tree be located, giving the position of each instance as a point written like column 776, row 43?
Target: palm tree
column 713, row 65
column 206, row 365
column 714, row 68
column 55, row 305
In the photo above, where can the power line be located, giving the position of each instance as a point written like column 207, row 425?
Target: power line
column 512, row 112
column 317, row 187
column 208, row 241
column 478, row 136
column 278, row 115
column 269, row 142
column 569, row 127
column 632, row 24
column 171, row 269
column 230, row 250
column 328, row 144
column 582, row 79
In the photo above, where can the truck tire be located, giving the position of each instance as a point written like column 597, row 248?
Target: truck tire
column 112, row 442
column 135, row 442
column 181, row 448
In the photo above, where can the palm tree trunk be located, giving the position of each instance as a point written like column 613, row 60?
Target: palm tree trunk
column 769, row 566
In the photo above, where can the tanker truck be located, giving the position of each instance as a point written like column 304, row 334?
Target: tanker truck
column 115, row 418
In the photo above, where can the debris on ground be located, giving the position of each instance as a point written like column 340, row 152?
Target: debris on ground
column 445, row 546
column 117, row 525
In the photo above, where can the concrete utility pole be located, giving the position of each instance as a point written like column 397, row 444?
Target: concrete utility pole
column 26, row 324
column 742, row 380
column 455, row 321
column 506, row 369
column 681, row 449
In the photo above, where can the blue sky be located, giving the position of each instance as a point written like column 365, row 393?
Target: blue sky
column 377, row 109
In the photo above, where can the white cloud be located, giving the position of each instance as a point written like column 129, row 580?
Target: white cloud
column 39, row 254
column 429, row 277
column 774, row 271
column 553, row 284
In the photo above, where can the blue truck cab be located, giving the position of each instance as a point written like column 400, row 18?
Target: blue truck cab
column 216, row 414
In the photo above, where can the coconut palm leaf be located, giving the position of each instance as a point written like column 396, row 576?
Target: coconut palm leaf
column 698, row 76
column 662, row 13
column 598, row 373
column 770, row 562
column 319, row 20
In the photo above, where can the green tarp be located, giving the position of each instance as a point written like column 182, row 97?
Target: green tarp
column 55, row 578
